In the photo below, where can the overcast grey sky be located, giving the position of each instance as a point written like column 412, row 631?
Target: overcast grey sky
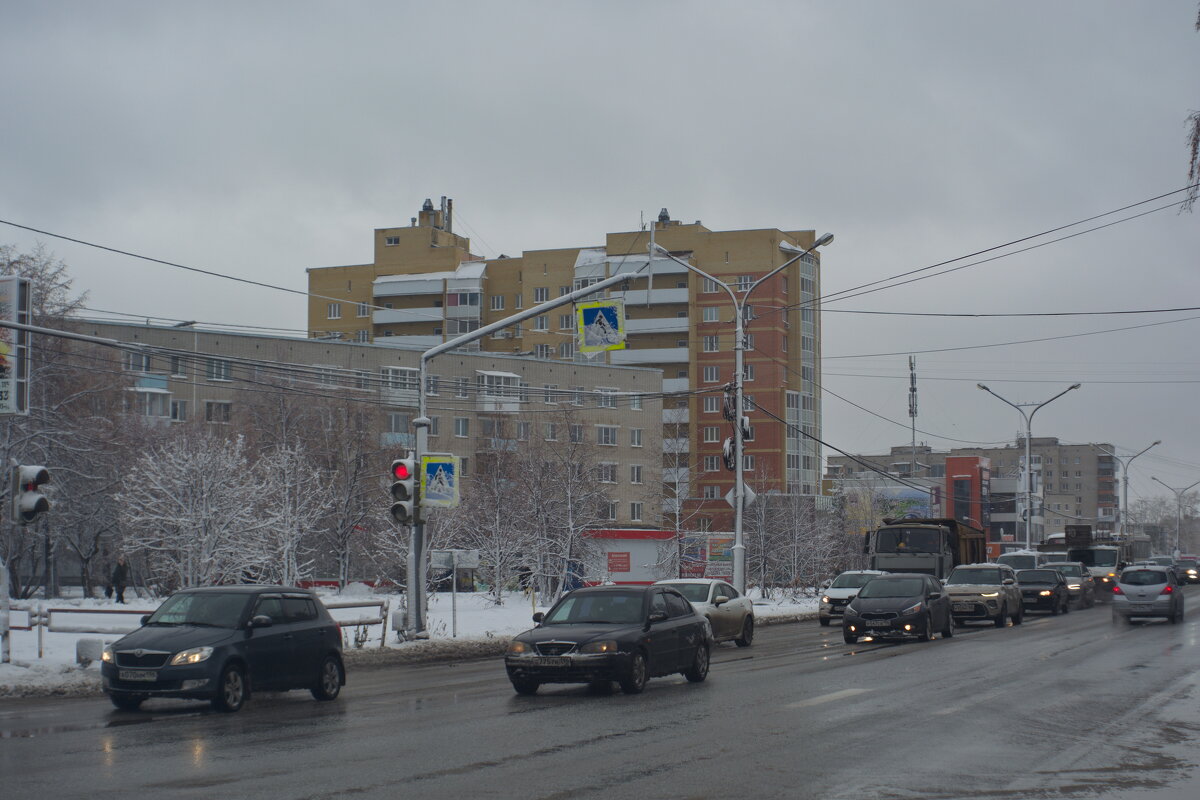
column 259, row 139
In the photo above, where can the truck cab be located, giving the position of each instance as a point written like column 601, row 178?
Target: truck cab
column 930, row 546
column 1102, row 561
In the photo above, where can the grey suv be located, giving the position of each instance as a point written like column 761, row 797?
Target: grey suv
column 985, row 592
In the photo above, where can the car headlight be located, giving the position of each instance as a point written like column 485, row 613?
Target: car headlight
column 1045, row 593
column 825, row 599
column 596, row 648
column 913, row 609
column 107, row 656
column 192, row 655
column 989, row 594
column 1191, row 572
column 1072, row 585
column 518, row 648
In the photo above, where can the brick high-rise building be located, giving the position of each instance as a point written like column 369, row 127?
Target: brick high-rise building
column 425, row 286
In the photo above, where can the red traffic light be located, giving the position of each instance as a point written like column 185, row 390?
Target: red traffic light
column 401, row 471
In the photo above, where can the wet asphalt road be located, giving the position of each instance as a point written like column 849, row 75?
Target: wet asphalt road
column 1060, row 707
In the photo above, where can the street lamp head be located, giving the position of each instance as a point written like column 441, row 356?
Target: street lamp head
column 981, row 386
column 1076, row 386
column 824, row 240
column 1157, row 443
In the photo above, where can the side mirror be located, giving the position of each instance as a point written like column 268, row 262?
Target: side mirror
column 261, row 621
column 720, row 599
column 1009, row 582
column 825, row 584
column 933, row 595
column 145, row 618
column 538, row 617
column 657, row 616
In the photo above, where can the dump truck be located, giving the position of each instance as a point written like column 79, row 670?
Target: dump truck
column 933, row 546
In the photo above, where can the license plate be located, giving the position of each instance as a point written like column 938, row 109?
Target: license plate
column 964, row 606
column 552, row 661
column 138, row 675
column 878, row 623
column 1140, row 605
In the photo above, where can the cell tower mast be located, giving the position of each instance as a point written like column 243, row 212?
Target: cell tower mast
column 912, row 411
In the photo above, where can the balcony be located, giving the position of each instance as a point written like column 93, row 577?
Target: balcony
column 657, row 325
column 653, row 355
column 637, row 297
column 395, row 316
column 675, row 416
column 676, row 384
column 673, row 446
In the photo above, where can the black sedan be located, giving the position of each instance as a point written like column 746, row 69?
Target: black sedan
column 602, row 634
column 899, row 604
column 1044, row 590
column 220, row 643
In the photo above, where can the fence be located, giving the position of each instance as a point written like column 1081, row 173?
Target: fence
column 74, row 620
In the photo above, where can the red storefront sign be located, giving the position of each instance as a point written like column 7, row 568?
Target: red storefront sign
column 618, row 562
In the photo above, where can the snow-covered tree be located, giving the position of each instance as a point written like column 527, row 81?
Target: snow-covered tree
column 294, row 499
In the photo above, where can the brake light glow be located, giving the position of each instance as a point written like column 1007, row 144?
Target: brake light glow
column 1117, row 590
column 1167, row 589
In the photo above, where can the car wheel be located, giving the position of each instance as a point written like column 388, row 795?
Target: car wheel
column 1001, row 618
column 747, row 636
column 635, row 680
column 824, row 621
column 329, row 680
column 127, row 702
column 849, row 638
column 926, row 632
column 1019, row 617
column 699, row 669
column 525, row 686
column 231, row 689
column 959, row 622
column 1054, row 611
column 948, row 631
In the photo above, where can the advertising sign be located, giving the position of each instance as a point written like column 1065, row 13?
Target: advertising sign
column 720, row 556
column 14, row 346
column 600, row 325
column 439, row 480
column 618, row 562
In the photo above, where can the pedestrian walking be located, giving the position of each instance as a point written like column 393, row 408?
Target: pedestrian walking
column 120, row 578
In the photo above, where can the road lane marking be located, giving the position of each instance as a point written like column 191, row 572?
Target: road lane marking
column 825, row 698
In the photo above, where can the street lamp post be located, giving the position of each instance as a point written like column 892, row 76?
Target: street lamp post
column 739, row 346
column 1178, row 510
column 1125, row 482
column 1028, row 482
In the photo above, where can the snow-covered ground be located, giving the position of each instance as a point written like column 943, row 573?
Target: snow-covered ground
column 477, row 618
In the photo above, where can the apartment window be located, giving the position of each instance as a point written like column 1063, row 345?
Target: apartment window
column 712, row 344
column 550, row 432
column 606, row 397
column 712, row 314
column 606, row 435
column 137, row 362
column 544, row 351
column 399, row 423
column 566, row 322
column 541, row 323
column 610, row 510
column 462, row 427
column 748, row 462
column 434, row 426
column 564, row 290
column 217, row 412
column 391, row 241
column 635, row 402
column 712, row 404
column 179, row 410
column 432, row 384
column 550, row 393
column 362, row 337
column 606, row 473
column 333, row 311
column 635, row 437
column 218, row 370
column 363, row 309
column 808, row 344
column 517, row 301
column 635, row 473
column 460, row 387
column 749, row 338
column 402, row 378
column 362, row 379
column 712, row 374
column 523, row 431
column 497, row 302
column 744, row 282
column 541, row 295
column 178, row 369
column 747, row 372
column 635, row 512
column 712, row 463
column 710, row 286
column 566, row 350
column 711, row 493
column 576, row 395
column 1078, row 474
column 712, row 433
column 575, row 433
column 749, row 437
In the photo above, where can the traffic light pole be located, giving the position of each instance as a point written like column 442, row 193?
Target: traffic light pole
column 415, row 626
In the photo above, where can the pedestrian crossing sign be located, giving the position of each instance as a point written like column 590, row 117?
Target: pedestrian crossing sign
column 439, row 480
column 600, row 325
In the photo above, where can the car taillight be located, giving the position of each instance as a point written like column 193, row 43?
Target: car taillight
column 1117, row 590
column 1167, row 590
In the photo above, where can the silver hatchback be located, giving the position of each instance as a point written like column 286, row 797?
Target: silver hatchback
column 1147, row 591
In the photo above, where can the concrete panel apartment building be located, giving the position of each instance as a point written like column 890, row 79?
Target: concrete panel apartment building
column 425, row 286
column 1076, row 483
column 478, row 401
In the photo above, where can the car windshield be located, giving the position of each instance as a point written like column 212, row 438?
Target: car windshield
column 989, row 576
column 1018, row 561
column 211, row 609
column 1094, row 558
column 1186, row 563
column 1143, row 577
column 908, row 540
column 851, row 580
column 694, row 592
column 611, row 607
column 1072, row 570
column 1164, row 561
column 893, row 587
column 1037, row 576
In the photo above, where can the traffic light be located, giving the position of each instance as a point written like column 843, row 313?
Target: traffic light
column 404, row 490
column 28, row 502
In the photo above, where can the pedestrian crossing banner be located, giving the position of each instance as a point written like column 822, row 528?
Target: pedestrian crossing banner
column 601, row 326
column 439, row 480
